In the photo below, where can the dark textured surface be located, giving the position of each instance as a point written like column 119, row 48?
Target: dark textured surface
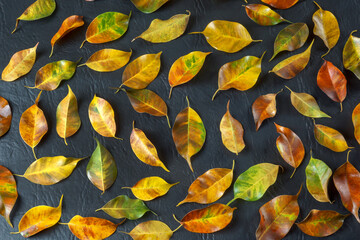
column 81, row 197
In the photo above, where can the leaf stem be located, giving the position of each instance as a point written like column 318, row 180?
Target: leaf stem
column 176, row 219
column 213, row 97
column 326, row 53
column 171, row 89
column 177, row 228
column 257, row 40
column 347, row 156
column 81, row 65
column 16, row 25
column 318, row 5
column 168, row 121
column 118, row 138
column 33, row 150
column 231, row 201
column 293, row 173
column 279, row 91
column 52, row 51
column 65, row 141
column 17, row 175
column 82, row 44
column 341, row 107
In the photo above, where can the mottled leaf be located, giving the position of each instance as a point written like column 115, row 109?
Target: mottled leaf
column 67, row 116
column 150, row 188
column 124, row 207
column 351, row 55
column 306, row 105
column 161, row 31
column 101, row 169
column 33, row 125
column 292, row 66
column 240, row 74
column 107, row 27
column 68, row 25
column 291, row 38
column 188, row 133
column 185, row 68
column 148, row 6
column 149, row 230
column 39, row 9
column 356, row 122
column 317, row 179
column 321, row 223
column 208, row 220
column 5, row 116
column 108, row 60
column 227, row 36
column 263, row 15
column 330, row 138
column 326, row 27
column 232, row 132
column 210, row 186
column 8, row 193
column 281, row 4
column 20, row 64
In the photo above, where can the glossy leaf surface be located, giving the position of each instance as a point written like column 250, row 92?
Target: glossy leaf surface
column 101, row 169
column 68, row 25
column 91, row 228
column 210, row 186
column 188, row 133
column 227, row 36
column 151, row 230
column 101, row 115
column 161, row 31
column 148, row 6
column 326, row 27
column 38, row 219
column 241, row 74
column 306, row 105
column 108, row 60
column 150, row 188
column 107, row 27
column 290, row 146
column 50, row 170
column 208, row 220
column 277, row 217
column 332, row 82
column 124, row 207
column 291, row 38
column 144, row 150
column 50, row 76
column 321, row 223
column 263, row 15
column 356, row 122
column 351, row 54
column 330, row 138
column 317, row 179
column 142, row 71
column 8, row 193
column 5, row 116
column 252, row 184
column 67, row 116
column 39, row 9
column 281, row 4
column 20, row 64
column 185, row 68
column 292, row 66
column 264, row 107
column 232, row 132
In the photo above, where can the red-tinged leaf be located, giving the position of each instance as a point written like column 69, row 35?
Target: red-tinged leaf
column 5, row 116
column 8, row 193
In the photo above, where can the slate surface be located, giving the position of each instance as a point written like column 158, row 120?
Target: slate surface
column 81, row 197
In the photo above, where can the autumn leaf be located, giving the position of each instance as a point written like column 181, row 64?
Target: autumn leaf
column 20, row 64
column 351, row 54
column 151, row 230
column 161, row 31
column 356, row 122
column 210, row 186
column 150, row 188
column 8, row 193
column 5, row 116
column 330, row 138
column 227, row 36
column 148, row 6
column 281, row 4
column 263, row 15
column 188, row 133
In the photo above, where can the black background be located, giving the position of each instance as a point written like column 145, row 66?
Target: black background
column 81, row 197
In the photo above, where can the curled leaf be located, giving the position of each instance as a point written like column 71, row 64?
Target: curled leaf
column 148, row 6
column 108, row 60
column 291, row 38
column 326, row 27
column 150, row 188
column 8, row 193
column 67, row 116
column 232, row 132
column 185, row 68
column 5, row 116
column 101, row 169
column 351, row 54
column 144, row 150
column 227, row 36
column 161, row 31
column 321, row 223
column 281, row 4
column 124, row 207
column 33, row 125
column 356, row 122
column 151, row 230
column 50, row 170
column 208, row 220
column 68, row 25
column 20, row 64
column 241, row 74
column 293, row 65
column 330, row 138
column 188, row 133
column 263, row 15
column 210, row 186
column 39, row 9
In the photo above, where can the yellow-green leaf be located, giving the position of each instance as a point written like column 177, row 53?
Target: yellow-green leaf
column 351, row 55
